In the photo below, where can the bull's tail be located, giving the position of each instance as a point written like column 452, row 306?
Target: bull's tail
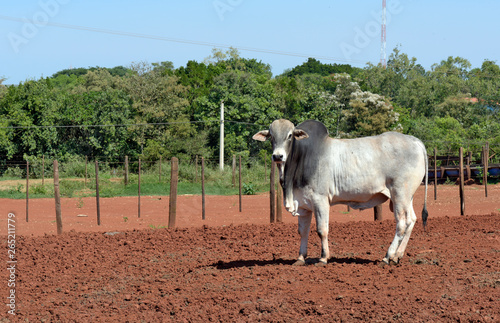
column 425, row 214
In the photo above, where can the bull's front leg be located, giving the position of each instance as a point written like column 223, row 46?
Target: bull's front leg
column 322, row 213
column 304, row 229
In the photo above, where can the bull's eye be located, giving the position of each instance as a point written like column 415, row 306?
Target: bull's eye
column 289, row 137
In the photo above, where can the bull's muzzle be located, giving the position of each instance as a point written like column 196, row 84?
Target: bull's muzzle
column 277, row 158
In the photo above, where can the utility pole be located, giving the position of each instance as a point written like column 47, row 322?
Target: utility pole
column 221, row 149
column 383, row 53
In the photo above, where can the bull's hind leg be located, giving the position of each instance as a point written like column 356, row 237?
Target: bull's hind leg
column 411, row 219
column 405, row 220
column 304, row 220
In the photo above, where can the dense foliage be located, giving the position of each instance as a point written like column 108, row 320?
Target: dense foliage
column 153, row 110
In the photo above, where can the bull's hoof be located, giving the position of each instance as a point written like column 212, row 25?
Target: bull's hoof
column 390, row 261
column 299, row 263
column 320, row 264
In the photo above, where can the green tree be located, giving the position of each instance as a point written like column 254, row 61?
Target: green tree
column 403, row 81
column 484, row 85
column 198, row 78
column 248, row 98
column 106, row 113
column 370, row 114
column 3, row 88
column 231, row 60
column 115, row 71
column 100, row 80
column 345, row 87
column 450, row 78
column 164, row 68
column 219, row 56
column 290, row 90
column 446, row 134
column 30, row 108
column 388, row 80
column 313, row 66
column 465, row 110
column 325, row 108
column 159, row 100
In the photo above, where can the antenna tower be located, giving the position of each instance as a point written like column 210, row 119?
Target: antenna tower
column 383, row 53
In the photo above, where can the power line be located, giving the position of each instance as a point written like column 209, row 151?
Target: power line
column 210, row 44
column 126, row 124
column 105, row 125
column 177, row 40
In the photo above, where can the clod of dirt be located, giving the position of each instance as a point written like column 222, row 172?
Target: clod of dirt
column 111, row 233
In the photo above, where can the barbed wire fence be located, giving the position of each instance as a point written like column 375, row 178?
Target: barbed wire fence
column 128, row 171
column 41, row 166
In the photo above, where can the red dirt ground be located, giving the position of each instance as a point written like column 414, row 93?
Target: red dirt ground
column 236, row 267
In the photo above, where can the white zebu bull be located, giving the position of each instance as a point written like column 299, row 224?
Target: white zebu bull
column 317, row 171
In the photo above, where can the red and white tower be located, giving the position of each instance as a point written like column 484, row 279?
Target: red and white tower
column 383, row 53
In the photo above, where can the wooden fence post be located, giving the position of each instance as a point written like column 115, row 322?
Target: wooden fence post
column 97, row 192
column 159, row 171
column 139, row 191
column 234, row 170
column 272, row 195
column 174, row 178
column 57, row 197
column 485, row 164
column 377, row 213
column 279, row 205
column 27, row 187
column 202, row 188
column 86, row 171
column 265, row 167
column 240, row 181
column 469, row 161
column 435, row 173
column 126, row 170
column 196, row 169
column 461, row 179
column 43, row 170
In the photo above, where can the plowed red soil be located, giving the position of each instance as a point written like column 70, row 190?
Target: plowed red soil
column 235, row 267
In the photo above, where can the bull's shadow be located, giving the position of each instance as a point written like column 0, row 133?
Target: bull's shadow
column 358, row 261
column 250, row 263
column 310, row 261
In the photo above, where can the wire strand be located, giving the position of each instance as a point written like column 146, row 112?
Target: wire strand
column 127, row 124
column 177, row 40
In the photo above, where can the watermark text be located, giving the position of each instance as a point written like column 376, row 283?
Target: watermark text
column 48, row 9
column 222, row 7
column 11, row 263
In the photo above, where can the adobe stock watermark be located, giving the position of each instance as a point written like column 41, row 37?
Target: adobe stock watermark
column 363, row 37
column 11, row 263
column 222, row 7
column 48, row 9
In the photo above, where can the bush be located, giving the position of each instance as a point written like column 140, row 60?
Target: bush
column 248, row 189
column 15, row 172
column 39, row 189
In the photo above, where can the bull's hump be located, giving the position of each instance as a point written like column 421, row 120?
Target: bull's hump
column 315, row 129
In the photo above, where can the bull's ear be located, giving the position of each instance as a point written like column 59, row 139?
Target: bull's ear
column 300, row 134
column 261, row 135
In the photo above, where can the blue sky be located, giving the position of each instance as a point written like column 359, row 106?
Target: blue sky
column 335, row 31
